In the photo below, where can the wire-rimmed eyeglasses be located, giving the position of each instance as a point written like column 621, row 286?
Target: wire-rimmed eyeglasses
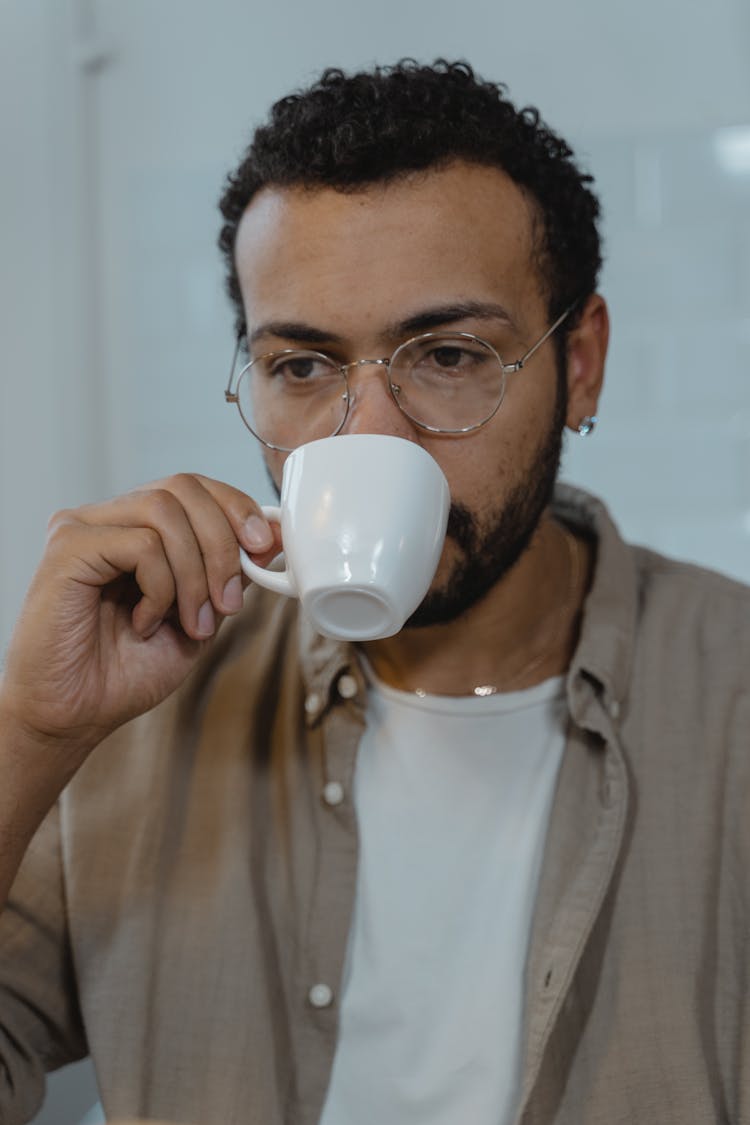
column 448, row 383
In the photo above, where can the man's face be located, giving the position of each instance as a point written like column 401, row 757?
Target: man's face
column 352, row 268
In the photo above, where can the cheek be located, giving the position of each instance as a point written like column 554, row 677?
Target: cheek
column 484, row 468
column 275, row 465
column 478, row 467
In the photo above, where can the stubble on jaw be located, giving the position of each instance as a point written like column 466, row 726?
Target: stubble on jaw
column 488, row 549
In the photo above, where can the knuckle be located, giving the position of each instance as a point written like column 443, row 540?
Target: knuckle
column 152, row 570
column 59, row 526
column 180, row 482
column 227, row 550
column 59, row 519
column 150, row 544
column 222, row 558
column 160, row 504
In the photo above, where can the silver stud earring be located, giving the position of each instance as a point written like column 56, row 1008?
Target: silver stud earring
column 587, row 424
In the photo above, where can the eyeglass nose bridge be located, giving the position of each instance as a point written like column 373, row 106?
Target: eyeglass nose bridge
column 346, row 367
column 350, row 395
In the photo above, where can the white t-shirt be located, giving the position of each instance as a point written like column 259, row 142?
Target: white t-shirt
column 453, row 797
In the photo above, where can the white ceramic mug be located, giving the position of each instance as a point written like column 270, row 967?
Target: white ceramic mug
column 363, row 519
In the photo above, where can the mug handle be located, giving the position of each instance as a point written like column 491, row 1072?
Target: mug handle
column 280, row 581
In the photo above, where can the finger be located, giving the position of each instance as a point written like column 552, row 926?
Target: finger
column 250, row 526
column 265, row 557
column 96, row 557
column 162, row 512
column 260, row 537
column 221, row 515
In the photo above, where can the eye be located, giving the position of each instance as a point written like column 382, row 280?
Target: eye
column 452, row 357
column 297, row 367
column 447, row 355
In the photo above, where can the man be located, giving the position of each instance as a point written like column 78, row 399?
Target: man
column 529, row 900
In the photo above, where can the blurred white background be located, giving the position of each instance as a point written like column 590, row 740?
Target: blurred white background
column 118, row 122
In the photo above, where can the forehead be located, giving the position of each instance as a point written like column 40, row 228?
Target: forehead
column 462, row 232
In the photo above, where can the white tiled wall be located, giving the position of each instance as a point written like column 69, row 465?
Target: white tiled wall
column 672, row 451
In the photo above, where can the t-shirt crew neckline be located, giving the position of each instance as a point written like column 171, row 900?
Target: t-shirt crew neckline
column 502, row 702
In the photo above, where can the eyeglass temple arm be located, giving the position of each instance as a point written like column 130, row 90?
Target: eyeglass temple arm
column 229, row 394
column 509, row 368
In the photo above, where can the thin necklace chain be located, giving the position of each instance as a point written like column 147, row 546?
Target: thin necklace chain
column 574, row 574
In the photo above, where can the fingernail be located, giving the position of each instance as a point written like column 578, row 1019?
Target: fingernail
column 206, row 619
column 152, row 629
column 232, row 596
column 257, row 534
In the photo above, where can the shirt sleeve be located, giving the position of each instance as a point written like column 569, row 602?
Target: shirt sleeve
column 40, row 1022
column 732, row 972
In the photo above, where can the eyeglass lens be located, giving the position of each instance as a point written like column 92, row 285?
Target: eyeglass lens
column 448, row 383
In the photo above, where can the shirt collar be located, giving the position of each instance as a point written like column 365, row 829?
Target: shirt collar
column 324, row 662
column 605, row 648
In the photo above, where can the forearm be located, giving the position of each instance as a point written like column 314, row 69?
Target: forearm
column 33, row 773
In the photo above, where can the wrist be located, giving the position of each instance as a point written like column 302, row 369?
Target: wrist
column 34, row 749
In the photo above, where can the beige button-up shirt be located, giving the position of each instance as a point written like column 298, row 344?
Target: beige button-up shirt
column 183, row 916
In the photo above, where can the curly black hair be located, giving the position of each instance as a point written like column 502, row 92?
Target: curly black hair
column 347, row 131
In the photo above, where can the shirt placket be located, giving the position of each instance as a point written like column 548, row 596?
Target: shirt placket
column 588, row 832
column 335, row 718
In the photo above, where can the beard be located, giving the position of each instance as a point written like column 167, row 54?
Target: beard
column 490, row 548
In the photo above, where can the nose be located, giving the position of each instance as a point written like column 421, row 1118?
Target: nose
column 372, row 409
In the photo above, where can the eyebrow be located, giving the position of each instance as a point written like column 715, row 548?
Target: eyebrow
column 449, row 314
column 294, row 330
column 437, row 317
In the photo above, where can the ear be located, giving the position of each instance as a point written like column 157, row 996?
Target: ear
column 587, row 351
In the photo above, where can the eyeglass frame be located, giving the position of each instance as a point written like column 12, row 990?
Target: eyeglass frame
column 344, row 368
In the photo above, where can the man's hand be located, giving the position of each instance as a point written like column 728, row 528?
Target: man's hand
column 128, row 594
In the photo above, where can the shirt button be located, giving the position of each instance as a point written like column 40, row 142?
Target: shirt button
column 320, row 996
column 347, row 686
column 312, row 703
column 614, row 710
column 333, row 793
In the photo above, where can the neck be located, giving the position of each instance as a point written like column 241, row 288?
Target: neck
column 522, row 632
